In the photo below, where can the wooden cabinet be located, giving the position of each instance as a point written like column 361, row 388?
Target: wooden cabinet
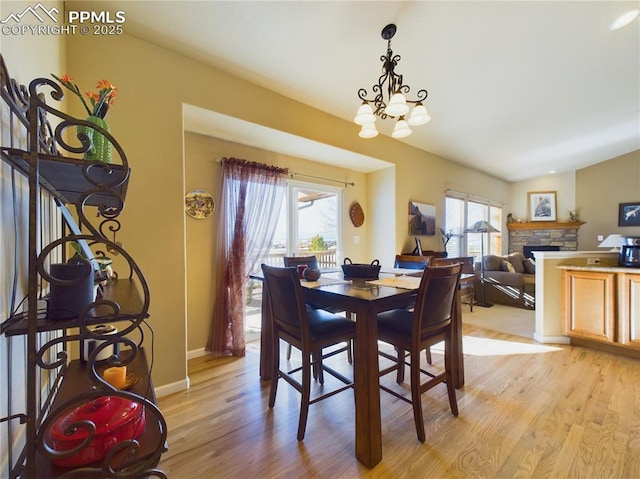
column 590, row 305
column 629, row 307
column 602, row 304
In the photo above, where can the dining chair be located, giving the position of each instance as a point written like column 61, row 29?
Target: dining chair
column 467, row 291
column 309, row 330
column 412, row 331
column 410, row 261
column 312, row 262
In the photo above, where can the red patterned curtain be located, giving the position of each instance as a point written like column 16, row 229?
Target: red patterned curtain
column 252, row 196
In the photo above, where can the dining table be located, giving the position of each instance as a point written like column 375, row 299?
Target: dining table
column 394, row 288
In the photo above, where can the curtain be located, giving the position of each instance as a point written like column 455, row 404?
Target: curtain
column 251, row 199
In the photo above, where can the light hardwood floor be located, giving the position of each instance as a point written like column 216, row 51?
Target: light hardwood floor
column 526, row 410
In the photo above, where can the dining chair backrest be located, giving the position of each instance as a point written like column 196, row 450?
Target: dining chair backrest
column 409, row 261
column 467, row 263
column 285, row 300
column 294, row 261
column 435, row 302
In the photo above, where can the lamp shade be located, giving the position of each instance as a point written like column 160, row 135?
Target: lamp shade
column 368, row 130
column 419, row 115
column 397, row 105
column 481, row 226
column 401, row 129
column 364, row 115
column 612, row 241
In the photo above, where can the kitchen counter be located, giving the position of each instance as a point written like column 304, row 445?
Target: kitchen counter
column 601, row 267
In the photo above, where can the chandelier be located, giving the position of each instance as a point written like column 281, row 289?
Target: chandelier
column 396, row 104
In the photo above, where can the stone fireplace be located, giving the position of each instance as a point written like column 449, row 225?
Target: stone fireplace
column 544, row 233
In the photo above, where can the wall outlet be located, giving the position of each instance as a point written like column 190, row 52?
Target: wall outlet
column 592, row 261
column 356, row 240
column 600, row 237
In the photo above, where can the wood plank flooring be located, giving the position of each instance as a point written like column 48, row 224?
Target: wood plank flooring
column 526, row 411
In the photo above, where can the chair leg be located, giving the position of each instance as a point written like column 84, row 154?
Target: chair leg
column 318, row 373
column 349, row 352
column 275, row 370
column 288, row 352
column 448, row 368
column 427, row 352
column 416, row 398
column 306, row 396
column 400, row 371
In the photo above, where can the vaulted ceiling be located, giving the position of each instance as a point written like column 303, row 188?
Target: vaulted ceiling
column 516, row 89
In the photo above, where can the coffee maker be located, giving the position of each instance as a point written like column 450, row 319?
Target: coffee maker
column 630, row 252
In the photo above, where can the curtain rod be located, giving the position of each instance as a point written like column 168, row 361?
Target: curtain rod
column 345, row 183
column 292, row 174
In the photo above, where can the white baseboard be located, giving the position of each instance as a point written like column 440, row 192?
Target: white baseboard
column 551, row 339
column 196, row 353
column 171, row 388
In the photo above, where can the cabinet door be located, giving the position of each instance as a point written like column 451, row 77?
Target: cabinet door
column 589, row 305
column 629, row 286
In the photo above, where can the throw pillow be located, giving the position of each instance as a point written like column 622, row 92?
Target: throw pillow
column 529, row 266
column 507, row 266
column 516, row 259
column 492, row 262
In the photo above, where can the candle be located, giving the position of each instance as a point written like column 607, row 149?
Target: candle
column 116, row 376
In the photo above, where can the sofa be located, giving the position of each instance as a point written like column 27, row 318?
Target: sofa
column 509, row 280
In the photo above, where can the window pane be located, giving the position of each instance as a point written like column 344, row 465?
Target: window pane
column 461, row 213
column 454, row 224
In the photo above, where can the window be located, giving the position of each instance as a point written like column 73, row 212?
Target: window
column 309, row 225
column 462, row 211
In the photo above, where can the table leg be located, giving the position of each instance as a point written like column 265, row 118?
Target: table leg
column 367, row 389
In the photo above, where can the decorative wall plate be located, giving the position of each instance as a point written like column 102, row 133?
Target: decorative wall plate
column 356, row 214
column 199, row 204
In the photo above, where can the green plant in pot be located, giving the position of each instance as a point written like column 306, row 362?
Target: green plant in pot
column 100, row 101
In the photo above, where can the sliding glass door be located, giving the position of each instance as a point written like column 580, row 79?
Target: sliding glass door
column 309, row 224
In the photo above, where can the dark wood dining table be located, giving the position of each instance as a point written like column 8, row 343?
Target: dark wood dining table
column 365, row 299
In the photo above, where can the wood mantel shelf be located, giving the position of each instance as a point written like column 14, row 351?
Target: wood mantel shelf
column 545, row 225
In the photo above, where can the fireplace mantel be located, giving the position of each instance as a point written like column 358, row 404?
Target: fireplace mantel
column 545, row 225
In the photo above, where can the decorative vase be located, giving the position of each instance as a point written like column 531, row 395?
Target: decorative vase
column 311, row 274
column 101, row 148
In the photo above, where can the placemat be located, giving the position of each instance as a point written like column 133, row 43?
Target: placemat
column 322, row 281
column 404, row 282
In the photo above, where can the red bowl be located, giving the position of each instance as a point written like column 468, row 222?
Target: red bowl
column 116, row 419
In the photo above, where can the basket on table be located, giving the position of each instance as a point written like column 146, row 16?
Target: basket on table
column 360, row 270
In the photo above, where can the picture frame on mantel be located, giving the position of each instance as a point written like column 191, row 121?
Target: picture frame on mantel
column 629, row 214
column 542, row 205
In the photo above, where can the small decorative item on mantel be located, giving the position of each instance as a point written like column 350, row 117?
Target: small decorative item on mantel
column 573, row 216
column 101, row 101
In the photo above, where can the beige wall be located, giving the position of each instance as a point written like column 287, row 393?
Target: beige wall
column 600, row 189
column 563, row 184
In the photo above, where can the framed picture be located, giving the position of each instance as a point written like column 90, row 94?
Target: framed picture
column 629, row 214
column 542, row 205
column 422, row 219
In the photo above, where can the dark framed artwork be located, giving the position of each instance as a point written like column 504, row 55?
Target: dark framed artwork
column 422, row 219
column 629, row 214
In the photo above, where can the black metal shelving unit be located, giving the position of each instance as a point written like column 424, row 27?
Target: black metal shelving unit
column 123, row 302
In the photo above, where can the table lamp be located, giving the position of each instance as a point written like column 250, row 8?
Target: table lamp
column 613, row 241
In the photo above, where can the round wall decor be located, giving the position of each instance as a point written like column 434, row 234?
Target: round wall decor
column 199, row 204
column 356, row 214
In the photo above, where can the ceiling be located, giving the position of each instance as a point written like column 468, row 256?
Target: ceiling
column 516, row 89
